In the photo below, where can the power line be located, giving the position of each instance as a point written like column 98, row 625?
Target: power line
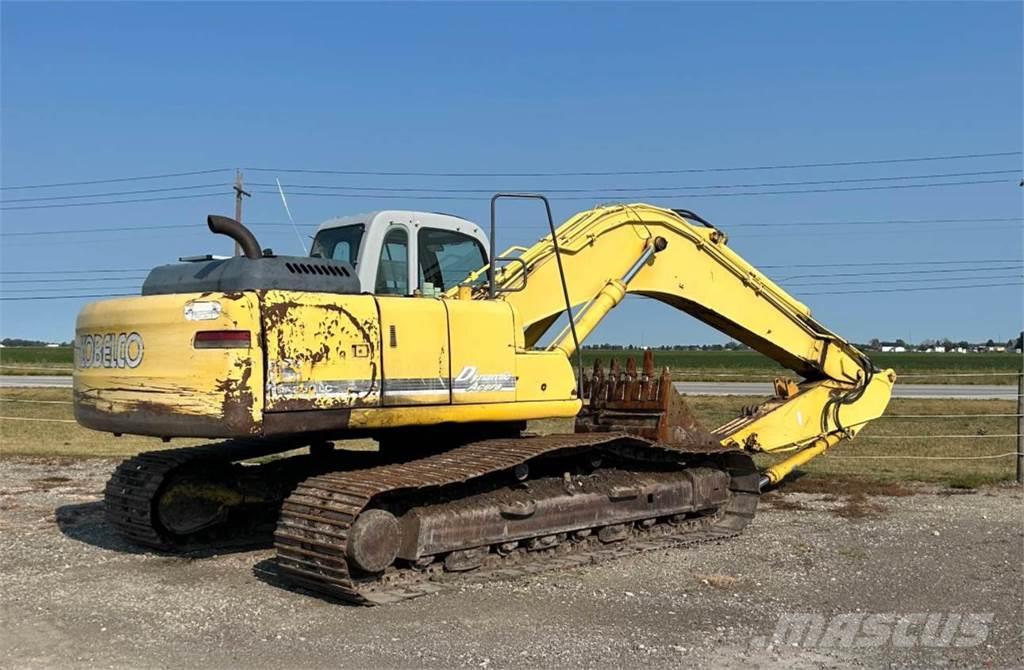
column 977, row 261
column 110, row 229
column 637, row 189
column 113, row 202
column 921, row 280
column 578, row 173
column 166, row 175
column 900, row 272
column 884, row 222
column 69, row 297
column 883, row 263
column 126, row 229
column 65, row 288
column 65, row 280
column 599, row 196
column 914, row 289
column 71, row 272
column 107, row 229
column 115, row 193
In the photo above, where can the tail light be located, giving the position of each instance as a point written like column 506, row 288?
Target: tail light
column 222, row 339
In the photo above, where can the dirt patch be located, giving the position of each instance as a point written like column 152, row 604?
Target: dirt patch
column 49, row 482
column 851, row 486
column 859, row 506
column 720, row 581
column 781, row 502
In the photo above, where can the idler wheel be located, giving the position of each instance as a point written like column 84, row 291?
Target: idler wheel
column 373, row 540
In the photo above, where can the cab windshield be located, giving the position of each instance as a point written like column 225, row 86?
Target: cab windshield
column 340, row 244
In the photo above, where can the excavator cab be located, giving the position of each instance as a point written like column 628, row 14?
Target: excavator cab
column 398, row 252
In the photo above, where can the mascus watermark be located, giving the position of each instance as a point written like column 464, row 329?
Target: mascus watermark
column 885, row 629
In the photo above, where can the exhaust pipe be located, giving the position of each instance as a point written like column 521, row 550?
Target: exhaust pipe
column 222, row 225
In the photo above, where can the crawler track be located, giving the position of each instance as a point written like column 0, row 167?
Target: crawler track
column 313, row 530
column 133, row 493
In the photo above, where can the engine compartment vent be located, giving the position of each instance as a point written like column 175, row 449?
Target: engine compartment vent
column 317, row 269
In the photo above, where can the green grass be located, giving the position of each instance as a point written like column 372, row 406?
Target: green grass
column 912, row 368
column 59, row 436
column 916, row 368
column 36, row 360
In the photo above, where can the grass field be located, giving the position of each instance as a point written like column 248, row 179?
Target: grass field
column 35, row 360
column 915, row 368
column 39, row 423
column 738, row 366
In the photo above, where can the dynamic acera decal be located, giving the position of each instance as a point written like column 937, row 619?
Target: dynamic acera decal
column 469, row 381
column 109, row 350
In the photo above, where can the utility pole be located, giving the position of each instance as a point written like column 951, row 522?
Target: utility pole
column 239, row 192
column 1020, row 423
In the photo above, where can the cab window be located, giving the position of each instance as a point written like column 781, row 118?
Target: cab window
column 446, row 258
column 341, row 244
column 393, row 269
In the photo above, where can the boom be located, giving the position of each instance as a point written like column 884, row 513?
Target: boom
column 691, row 268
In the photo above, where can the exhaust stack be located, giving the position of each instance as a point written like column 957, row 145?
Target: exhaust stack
column 223, row 225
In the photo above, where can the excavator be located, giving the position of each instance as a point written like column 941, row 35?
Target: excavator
column 409, row 329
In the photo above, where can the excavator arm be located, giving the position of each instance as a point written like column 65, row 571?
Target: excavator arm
column 680, row 260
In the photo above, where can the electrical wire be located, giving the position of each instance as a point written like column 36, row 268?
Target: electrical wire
column 900, row 272
column 68, row 297
column 638, row 189
column 116, row 193
column 969, row 182
column 926, row 280
column 592, row 173
column 112, row 202
column 109, row 229
column 166, row 175
column 889, row 263
column 914, row 289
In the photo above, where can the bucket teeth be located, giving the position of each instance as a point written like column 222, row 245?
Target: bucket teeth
column 636, row 400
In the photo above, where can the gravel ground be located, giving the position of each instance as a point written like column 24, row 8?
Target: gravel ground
column 73, row 595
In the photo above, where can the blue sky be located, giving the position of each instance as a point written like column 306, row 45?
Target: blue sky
column 91, row 91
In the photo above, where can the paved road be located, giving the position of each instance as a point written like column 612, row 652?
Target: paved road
column 979, row 391
column 34, row 381
column 976, row 391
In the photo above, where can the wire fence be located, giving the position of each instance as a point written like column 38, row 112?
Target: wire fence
column 1001, row 426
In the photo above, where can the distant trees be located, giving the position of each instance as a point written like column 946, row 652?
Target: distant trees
column 18, row 342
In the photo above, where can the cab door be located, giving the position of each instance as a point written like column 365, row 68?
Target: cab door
column 414, row 350
column 483, row 351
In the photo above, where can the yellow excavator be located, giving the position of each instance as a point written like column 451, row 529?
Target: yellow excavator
column 408, row 328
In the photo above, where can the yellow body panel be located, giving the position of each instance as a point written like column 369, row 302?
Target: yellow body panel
column 137, row 371
column 400, row 417
column 417, row 369
column 544, row 376
column 483, row 352
column 323, row 350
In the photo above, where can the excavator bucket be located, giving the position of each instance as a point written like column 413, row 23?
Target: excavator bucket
column 638, row 402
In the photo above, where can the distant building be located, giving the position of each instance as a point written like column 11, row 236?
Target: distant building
column 891, row 347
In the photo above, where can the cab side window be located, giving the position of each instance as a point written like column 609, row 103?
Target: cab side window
column 446, row 258
column 393, row 269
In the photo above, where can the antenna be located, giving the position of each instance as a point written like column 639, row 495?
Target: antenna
column 284, row 200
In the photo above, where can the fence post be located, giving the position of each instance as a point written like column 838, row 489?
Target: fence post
column 1020, row 427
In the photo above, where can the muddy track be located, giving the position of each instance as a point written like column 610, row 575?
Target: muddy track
column 312, row 536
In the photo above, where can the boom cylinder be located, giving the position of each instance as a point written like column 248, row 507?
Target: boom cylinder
column 605, row 301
